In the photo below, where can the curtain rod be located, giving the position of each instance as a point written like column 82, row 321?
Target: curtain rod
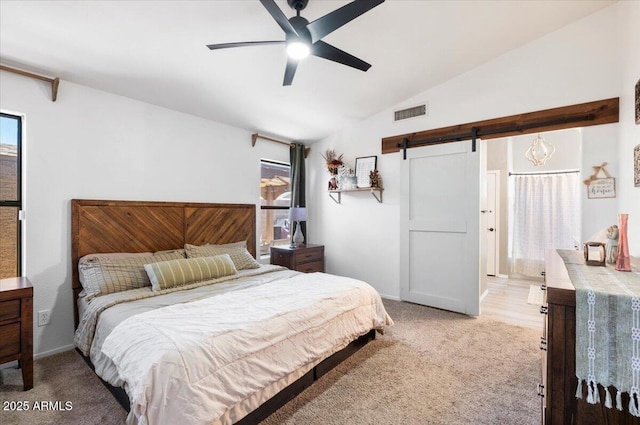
column 55, row 82
column 534, row 173
column 256, row 136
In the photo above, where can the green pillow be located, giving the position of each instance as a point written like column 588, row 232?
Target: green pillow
column 240, row 256
column 168, row 274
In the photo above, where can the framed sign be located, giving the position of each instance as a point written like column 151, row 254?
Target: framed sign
column 638, row 102
column 365, row 165
column 602, row 188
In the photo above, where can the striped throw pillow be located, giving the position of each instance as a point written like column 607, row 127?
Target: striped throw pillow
column 168, row 274
column 102, row 274
column 238, row 252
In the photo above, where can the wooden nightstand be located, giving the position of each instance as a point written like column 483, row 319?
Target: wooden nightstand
column 305, row 258
column 16, row 325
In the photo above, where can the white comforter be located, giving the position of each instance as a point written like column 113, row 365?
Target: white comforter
column 194, row 363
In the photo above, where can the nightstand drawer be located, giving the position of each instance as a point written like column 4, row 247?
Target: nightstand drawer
column 308, row 256
column 9, row 339
column 9, row 310
column 316, row 266
column 279, row 258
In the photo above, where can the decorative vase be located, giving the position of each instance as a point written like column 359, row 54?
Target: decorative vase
column 623, row 263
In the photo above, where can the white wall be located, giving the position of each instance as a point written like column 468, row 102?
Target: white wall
column 95, row 145
column 361, row 236
column 629, row 196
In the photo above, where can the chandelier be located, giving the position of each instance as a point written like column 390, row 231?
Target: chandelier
column 539, row 151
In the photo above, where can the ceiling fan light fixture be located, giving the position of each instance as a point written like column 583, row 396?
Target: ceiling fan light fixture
column 298, row 49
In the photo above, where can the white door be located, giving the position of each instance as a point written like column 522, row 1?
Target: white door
column 491, row 229
column 440, row 221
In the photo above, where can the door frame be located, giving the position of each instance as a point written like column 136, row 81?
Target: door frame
column 497, row 197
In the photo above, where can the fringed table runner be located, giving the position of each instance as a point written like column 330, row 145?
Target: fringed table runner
column 607, row 330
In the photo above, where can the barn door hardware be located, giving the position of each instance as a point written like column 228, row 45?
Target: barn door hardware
column 477, row 132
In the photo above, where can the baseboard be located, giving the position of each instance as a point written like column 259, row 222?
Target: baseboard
column 484, row 294
column 503, row 276
column 54, row 351
column 390, row 297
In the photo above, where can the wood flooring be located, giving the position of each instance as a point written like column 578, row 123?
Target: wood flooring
column 506, row 301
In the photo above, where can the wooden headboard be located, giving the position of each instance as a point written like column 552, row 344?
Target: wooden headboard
column 132, row 226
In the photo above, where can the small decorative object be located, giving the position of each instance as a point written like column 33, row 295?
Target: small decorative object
column 374, row 178
column 589, row 253
column 612, row 244
column 623, row 263
column 364, row 165
column 297, row 214
column 333, row 161
column 539, row 151
column 333, row 183
column 349, row 180
column 638, row 102
column 636, row 166
column 597, row 187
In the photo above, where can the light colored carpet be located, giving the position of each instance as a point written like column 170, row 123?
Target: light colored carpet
column 535, row 295
column 432, row 367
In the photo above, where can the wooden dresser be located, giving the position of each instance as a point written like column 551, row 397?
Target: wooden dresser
column 306, row 258
column 558, row 346
column 16, row 325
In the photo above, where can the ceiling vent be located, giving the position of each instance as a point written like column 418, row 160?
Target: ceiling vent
column 414, row 112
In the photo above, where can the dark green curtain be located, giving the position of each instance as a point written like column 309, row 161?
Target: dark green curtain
column 296, row 159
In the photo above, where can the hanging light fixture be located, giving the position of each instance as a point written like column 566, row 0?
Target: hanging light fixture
column 539, row 151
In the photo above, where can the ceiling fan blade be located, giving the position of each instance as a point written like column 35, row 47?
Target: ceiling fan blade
column 289, row 72
column 327, row 51
column 279, row 16
column 334, row 20
column 241, row 44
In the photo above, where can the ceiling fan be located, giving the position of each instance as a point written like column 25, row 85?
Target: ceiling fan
column 303, row 38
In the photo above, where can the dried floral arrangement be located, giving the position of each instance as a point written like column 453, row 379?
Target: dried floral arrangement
column 374, row 178
column 333, row 161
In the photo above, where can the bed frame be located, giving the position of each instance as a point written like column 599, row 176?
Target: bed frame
column 141, row 226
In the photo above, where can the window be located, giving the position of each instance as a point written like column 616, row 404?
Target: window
column 275, row 200
column 10, row 195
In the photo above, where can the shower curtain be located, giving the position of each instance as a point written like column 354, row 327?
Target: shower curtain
column 546, row 214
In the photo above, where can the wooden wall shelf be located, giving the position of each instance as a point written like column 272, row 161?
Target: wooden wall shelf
column 376, row 192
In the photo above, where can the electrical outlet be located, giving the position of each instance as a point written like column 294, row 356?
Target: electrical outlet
column 44, row 317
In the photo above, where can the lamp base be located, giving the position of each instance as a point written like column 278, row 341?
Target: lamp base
column 298, row 238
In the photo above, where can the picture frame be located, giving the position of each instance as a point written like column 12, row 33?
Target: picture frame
column 364, row 165
column 636, row 166
column 602, row 188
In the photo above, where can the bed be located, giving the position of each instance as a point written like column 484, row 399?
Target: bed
column 232, row 348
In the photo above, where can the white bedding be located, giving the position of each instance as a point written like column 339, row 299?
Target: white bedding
column 210, row 360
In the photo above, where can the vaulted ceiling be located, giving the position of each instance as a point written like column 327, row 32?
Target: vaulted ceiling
column 154, row 51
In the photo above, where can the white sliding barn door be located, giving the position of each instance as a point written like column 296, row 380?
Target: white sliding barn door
column 440, row 220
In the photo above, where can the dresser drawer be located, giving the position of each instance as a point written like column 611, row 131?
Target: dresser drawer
column 9, row 339
column 308, row 256
column 316, row 266
column 9, row 310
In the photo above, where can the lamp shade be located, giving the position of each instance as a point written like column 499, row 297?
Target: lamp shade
column 298, row 214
